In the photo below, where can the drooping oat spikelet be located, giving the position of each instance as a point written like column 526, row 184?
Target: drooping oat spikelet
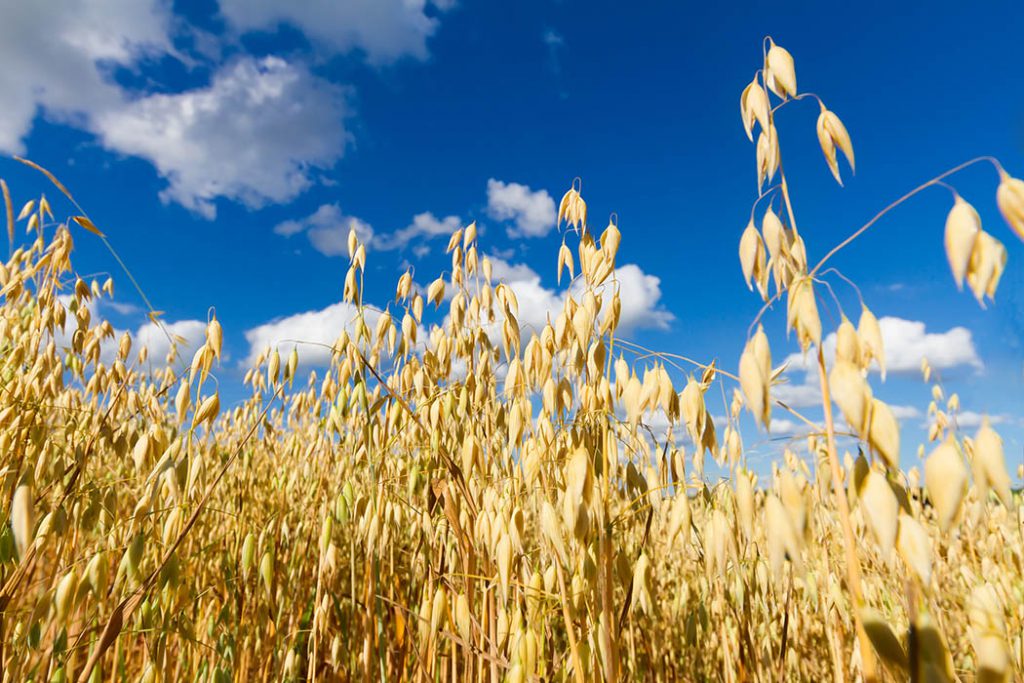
column 1010, row 199
column 915, row 548
column 884, row 433
column 23, row 519
column 963, row 225
column 881, row 509
column 852, row 394
column 755, row 377
column 987, row 262
column 754, row 106
column 831, row 134
column 870, row 334
column 990, row 464
column 802, row 313
column 780, row 72
column 946, row 479
column 752, row 259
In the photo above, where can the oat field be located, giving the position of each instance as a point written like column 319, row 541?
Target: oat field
column 456, row 499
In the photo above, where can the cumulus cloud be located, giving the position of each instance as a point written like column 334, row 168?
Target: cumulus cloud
column 384, row 30
column 189, row 334
column 312, row 332
column 641, row 300
column 907, row 342
column 798, row 394
column 536, row 302
column 255, row 135
column 639, row 293
column 532, row 212
column 257, row 132
column 56, row 57
column 321, row 328
column 503, row 271
column 327, row 229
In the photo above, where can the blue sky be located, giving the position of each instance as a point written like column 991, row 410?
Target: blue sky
column 225, row 147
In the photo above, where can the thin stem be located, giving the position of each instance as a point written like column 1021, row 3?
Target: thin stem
column 835, row 271
column 766, row 193
column 934, row 181
column 832, row 292
column 797, row 98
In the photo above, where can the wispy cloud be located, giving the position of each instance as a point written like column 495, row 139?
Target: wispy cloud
column 327, row 229
column 423, row 225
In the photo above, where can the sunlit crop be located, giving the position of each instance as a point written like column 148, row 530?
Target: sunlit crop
column 455, row 498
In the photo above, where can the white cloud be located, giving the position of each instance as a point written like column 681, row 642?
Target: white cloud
column 385, row 30
column 533, row 211
column 503, row 271
column 254, row 135
column 659, row 425
column 56, row 56
column 120, row 307
column 188, row 333
column 907, row 342
column 968, row 419
column 319, row 329
column 289, row 227
column 333, row 240
column 799, row 394
column 785, row 426
column 425, row 225
column 536, row 302
column 905, row 412
column 533, row 215
column 327, row 229
column 639, row 293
